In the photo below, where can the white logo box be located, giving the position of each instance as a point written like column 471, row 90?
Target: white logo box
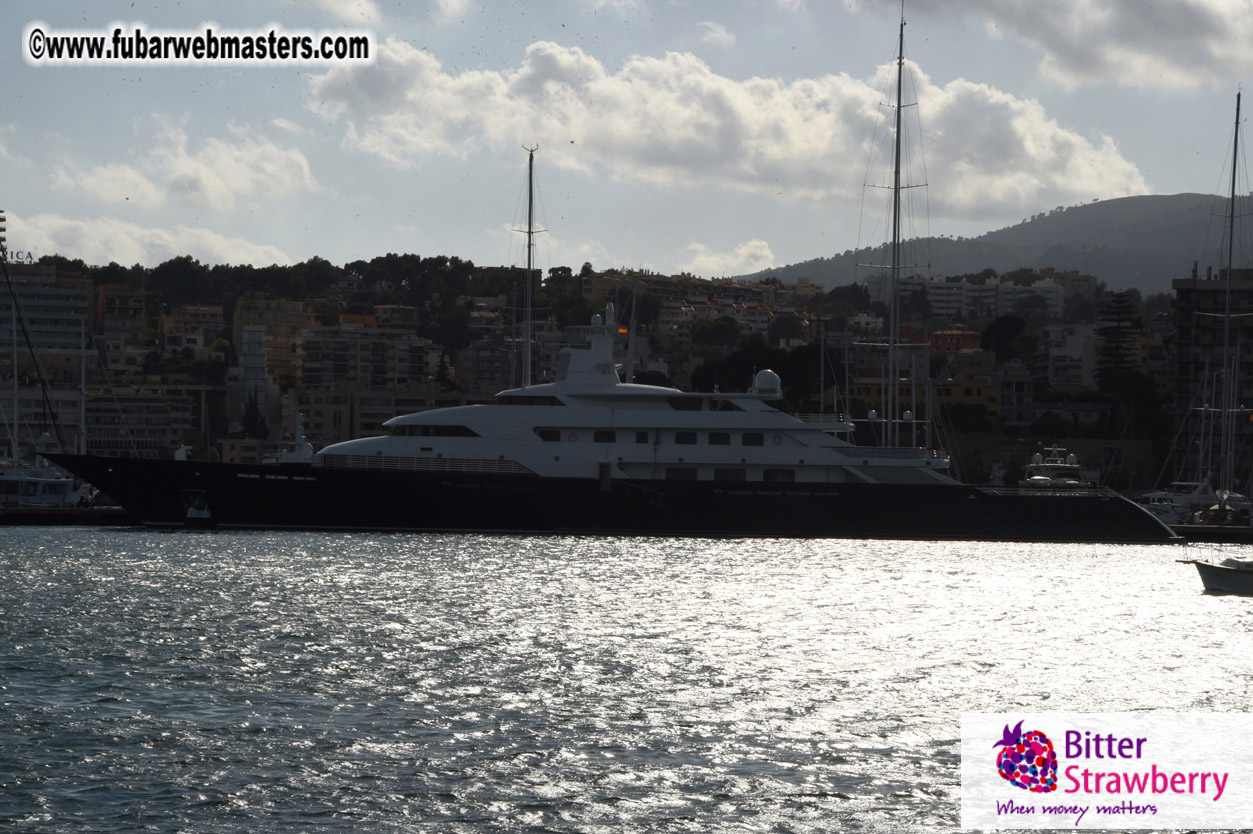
column 1124, row 770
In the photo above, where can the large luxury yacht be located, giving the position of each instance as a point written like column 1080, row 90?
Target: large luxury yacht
column 589, row 453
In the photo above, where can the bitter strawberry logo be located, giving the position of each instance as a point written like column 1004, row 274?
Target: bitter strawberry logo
column 1027, row 760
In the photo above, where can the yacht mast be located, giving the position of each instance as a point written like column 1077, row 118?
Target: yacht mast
column 530, row 234
column 1228, row 401
column 894, row 312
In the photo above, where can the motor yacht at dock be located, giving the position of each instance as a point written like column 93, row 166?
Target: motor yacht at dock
column 589, row 453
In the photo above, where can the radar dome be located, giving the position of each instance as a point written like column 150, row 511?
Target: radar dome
column 767, row 381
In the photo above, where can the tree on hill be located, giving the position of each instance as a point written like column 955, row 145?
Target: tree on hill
column 64, row 264
column 722, row 333
column 785, row 328
column 855, row 295
column 999, row 336
column 181, row 280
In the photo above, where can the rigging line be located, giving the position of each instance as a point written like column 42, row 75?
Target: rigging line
column 9, row 429
column 543, row 229
column 920, row 151
column 44, row 389
column 877, row 151
column 125, row 426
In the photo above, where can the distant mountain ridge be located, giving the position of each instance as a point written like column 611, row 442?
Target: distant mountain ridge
column 1141, row 242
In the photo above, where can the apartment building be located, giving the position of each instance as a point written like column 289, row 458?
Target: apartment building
column 191, row 327
column 954, row 298
column 365, row 355
column 1065, row 359
column 279, row 322
column 138, row 421
column 120, row 324
column 55, row 313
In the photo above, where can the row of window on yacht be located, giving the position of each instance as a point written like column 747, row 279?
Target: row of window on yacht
column 681, row 438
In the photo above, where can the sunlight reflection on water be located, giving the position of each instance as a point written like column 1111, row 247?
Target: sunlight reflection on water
column 218, row 681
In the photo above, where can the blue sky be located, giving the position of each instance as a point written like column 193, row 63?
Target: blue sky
column 716, row 138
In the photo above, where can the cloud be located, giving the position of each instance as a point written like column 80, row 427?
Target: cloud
column 287, row 125
column 7, row 131
column 213, row 177
column 716, row 33
column 999, row 153
column 103, row 239
column 111, row 184
column 447, row 10
column 748, row 257
column 673, row 122
column 221, row 171
column 1180, row 44
column 351, row 11
column 621, row 6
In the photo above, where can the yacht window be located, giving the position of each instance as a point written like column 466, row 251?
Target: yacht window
column 779, row 476
column 685, row 438
column 686, row 403
column 528, row 400
column 433, row 431
column 549, row 435
column 729, row 475
column 452, row 431
column 681, row 473
column 605, row 437
column 641, row 437
column 719, row 438
column 753, row 438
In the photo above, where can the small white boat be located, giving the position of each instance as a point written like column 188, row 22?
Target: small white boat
column 1196, row 502
column 1232, row 575
column 24, row 485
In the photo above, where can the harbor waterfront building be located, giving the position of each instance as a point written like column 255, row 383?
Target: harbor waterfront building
column 271, row 326
column 120, row 318
column 334, row 381
column 190, row 328
column 1212, row 315
column 145, row 421
column 56, row 313
column 953, row 298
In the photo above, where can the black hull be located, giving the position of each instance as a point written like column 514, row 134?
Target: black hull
column 305, row 497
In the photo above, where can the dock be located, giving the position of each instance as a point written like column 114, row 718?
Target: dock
column 77, row 516
column 1215, row 533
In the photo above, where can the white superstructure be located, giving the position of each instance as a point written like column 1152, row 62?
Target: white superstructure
column 589, row 424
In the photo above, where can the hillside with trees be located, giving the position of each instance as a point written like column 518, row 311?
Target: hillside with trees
column 1131, row 242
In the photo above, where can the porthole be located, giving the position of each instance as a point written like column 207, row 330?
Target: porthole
column 777, row 439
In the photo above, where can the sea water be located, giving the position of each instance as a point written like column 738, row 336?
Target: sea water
column 291, row 682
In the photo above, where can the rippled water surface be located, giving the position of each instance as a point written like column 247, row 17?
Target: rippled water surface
column 212, row 682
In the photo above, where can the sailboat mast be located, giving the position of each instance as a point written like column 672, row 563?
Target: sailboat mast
column 530, row 234
column 1228, row 401
column 894, row 313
